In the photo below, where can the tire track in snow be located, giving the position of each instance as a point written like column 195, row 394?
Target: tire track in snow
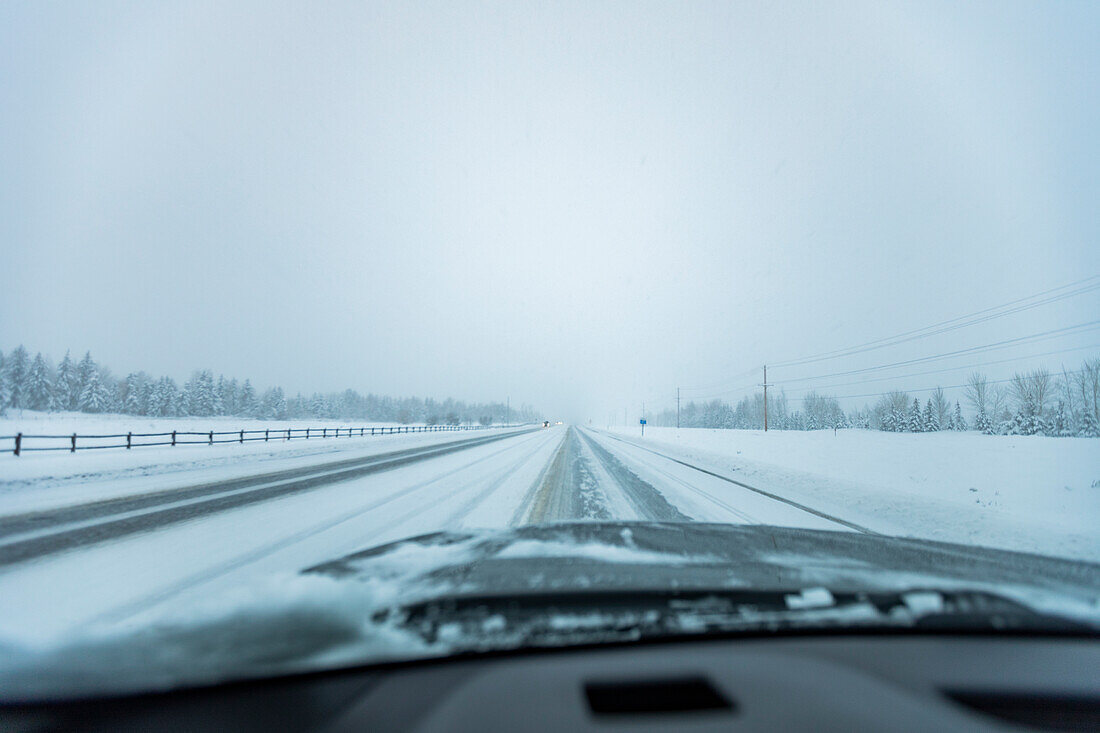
column 523, row 511
column 569, row 491
column 647, row 501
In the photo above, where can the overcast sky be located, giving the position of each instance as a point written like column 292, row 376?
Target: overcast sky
column 577, row 205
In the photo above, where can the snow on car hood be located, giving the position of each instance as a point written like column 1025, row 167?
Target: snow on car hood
column 676, row 555
column 338, row 613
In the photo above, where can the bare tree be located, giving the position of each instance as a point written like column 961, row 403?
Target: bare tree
column 940, row 406
column 1069, row 397
column 977, row 392
column 997, row 404
column 1035, row 388
column 893, row 403
column 1088, row 386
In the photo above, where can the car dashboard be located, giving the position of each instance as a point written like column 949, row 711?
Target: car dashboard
column 884, row 682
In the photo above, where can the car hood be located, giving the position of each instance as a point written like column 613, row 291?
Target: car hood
column 355, row 609
column 676, row 555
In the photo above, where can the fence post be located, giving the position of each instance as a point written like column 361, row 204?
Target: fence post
column 129, row 439
column 307, row 433
column 288, row 433
column 242, row 436
column 324, row 432
column 372, row 431
column 18, row 442
column 173, row 439
column 267, row 434
column 211, row 438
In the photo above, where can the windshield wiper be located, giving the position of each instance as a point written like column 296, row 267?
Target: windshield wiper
column 556, row 619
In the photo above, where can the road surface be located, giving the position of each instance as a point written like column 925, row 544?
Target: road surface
column 113, row 560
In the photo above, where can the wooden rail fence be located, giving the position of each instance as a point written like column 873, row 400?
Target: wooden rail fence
column 74, row 442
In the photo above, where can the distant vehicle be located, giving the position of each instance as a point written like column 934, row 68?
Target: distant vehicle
column 546, row 423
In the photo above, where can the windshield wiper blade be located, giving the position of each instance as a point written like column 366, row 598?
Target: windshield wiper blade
column 555, row 619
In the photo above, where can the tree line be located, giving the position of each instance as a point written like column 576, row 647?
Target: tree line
column 1038, row 402
column 86, row 386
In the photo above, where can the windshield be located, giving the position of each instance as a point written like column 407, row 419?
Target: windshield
column 327, row 332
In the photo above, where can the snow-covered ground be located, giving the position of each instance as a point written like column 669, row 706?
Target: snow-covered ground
column 1028, row 493
column 43, row 479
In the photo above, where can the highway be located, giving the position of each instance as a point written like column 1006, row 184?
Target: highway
column 160, row 546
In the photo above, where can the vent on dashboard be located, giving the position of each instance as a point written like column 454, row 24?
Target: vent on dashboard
column 641, row 697
column 1047, row 712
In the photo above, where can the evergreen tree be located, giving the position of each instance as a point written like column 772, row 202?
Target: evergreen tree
column 39, row 385
column 248, row 405
column 983, row 423
column 232, row 398
column 894, row 421
column 958, row 422
column 1060, row 426
column 223, row 397
column 5, row 390
column 931, row 419
column 84, row 371
column 273, row 404
column 148, row 390
column 198, row 394
column 95, row 396
column 17, row 366
column 1025, row 421
column 915, row 422
column 67, row 386
column 133, row 400
column 164, row 400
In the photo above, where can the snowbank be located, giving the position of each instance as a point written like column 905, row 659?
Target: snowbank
column 1028, row 493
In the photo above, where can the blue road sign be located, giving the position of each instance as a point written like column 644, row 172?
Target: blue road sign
column 642, row 421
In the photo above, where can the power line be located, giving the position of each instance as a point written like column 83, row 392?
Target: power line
column 951, row 324
column 955, row 368
column 927, row 389
column 1041, row 336
column 1079, row 287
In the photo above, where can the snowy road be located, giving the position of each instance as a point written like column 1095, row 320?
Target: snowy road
column 183, row 545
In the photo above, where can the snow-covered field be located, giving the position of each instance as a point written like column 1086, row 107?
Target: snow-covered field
column 1029, row 493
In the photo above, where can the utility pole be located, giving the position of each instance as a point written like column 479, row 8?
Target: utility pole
column 677, row 408
column 765, row 386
